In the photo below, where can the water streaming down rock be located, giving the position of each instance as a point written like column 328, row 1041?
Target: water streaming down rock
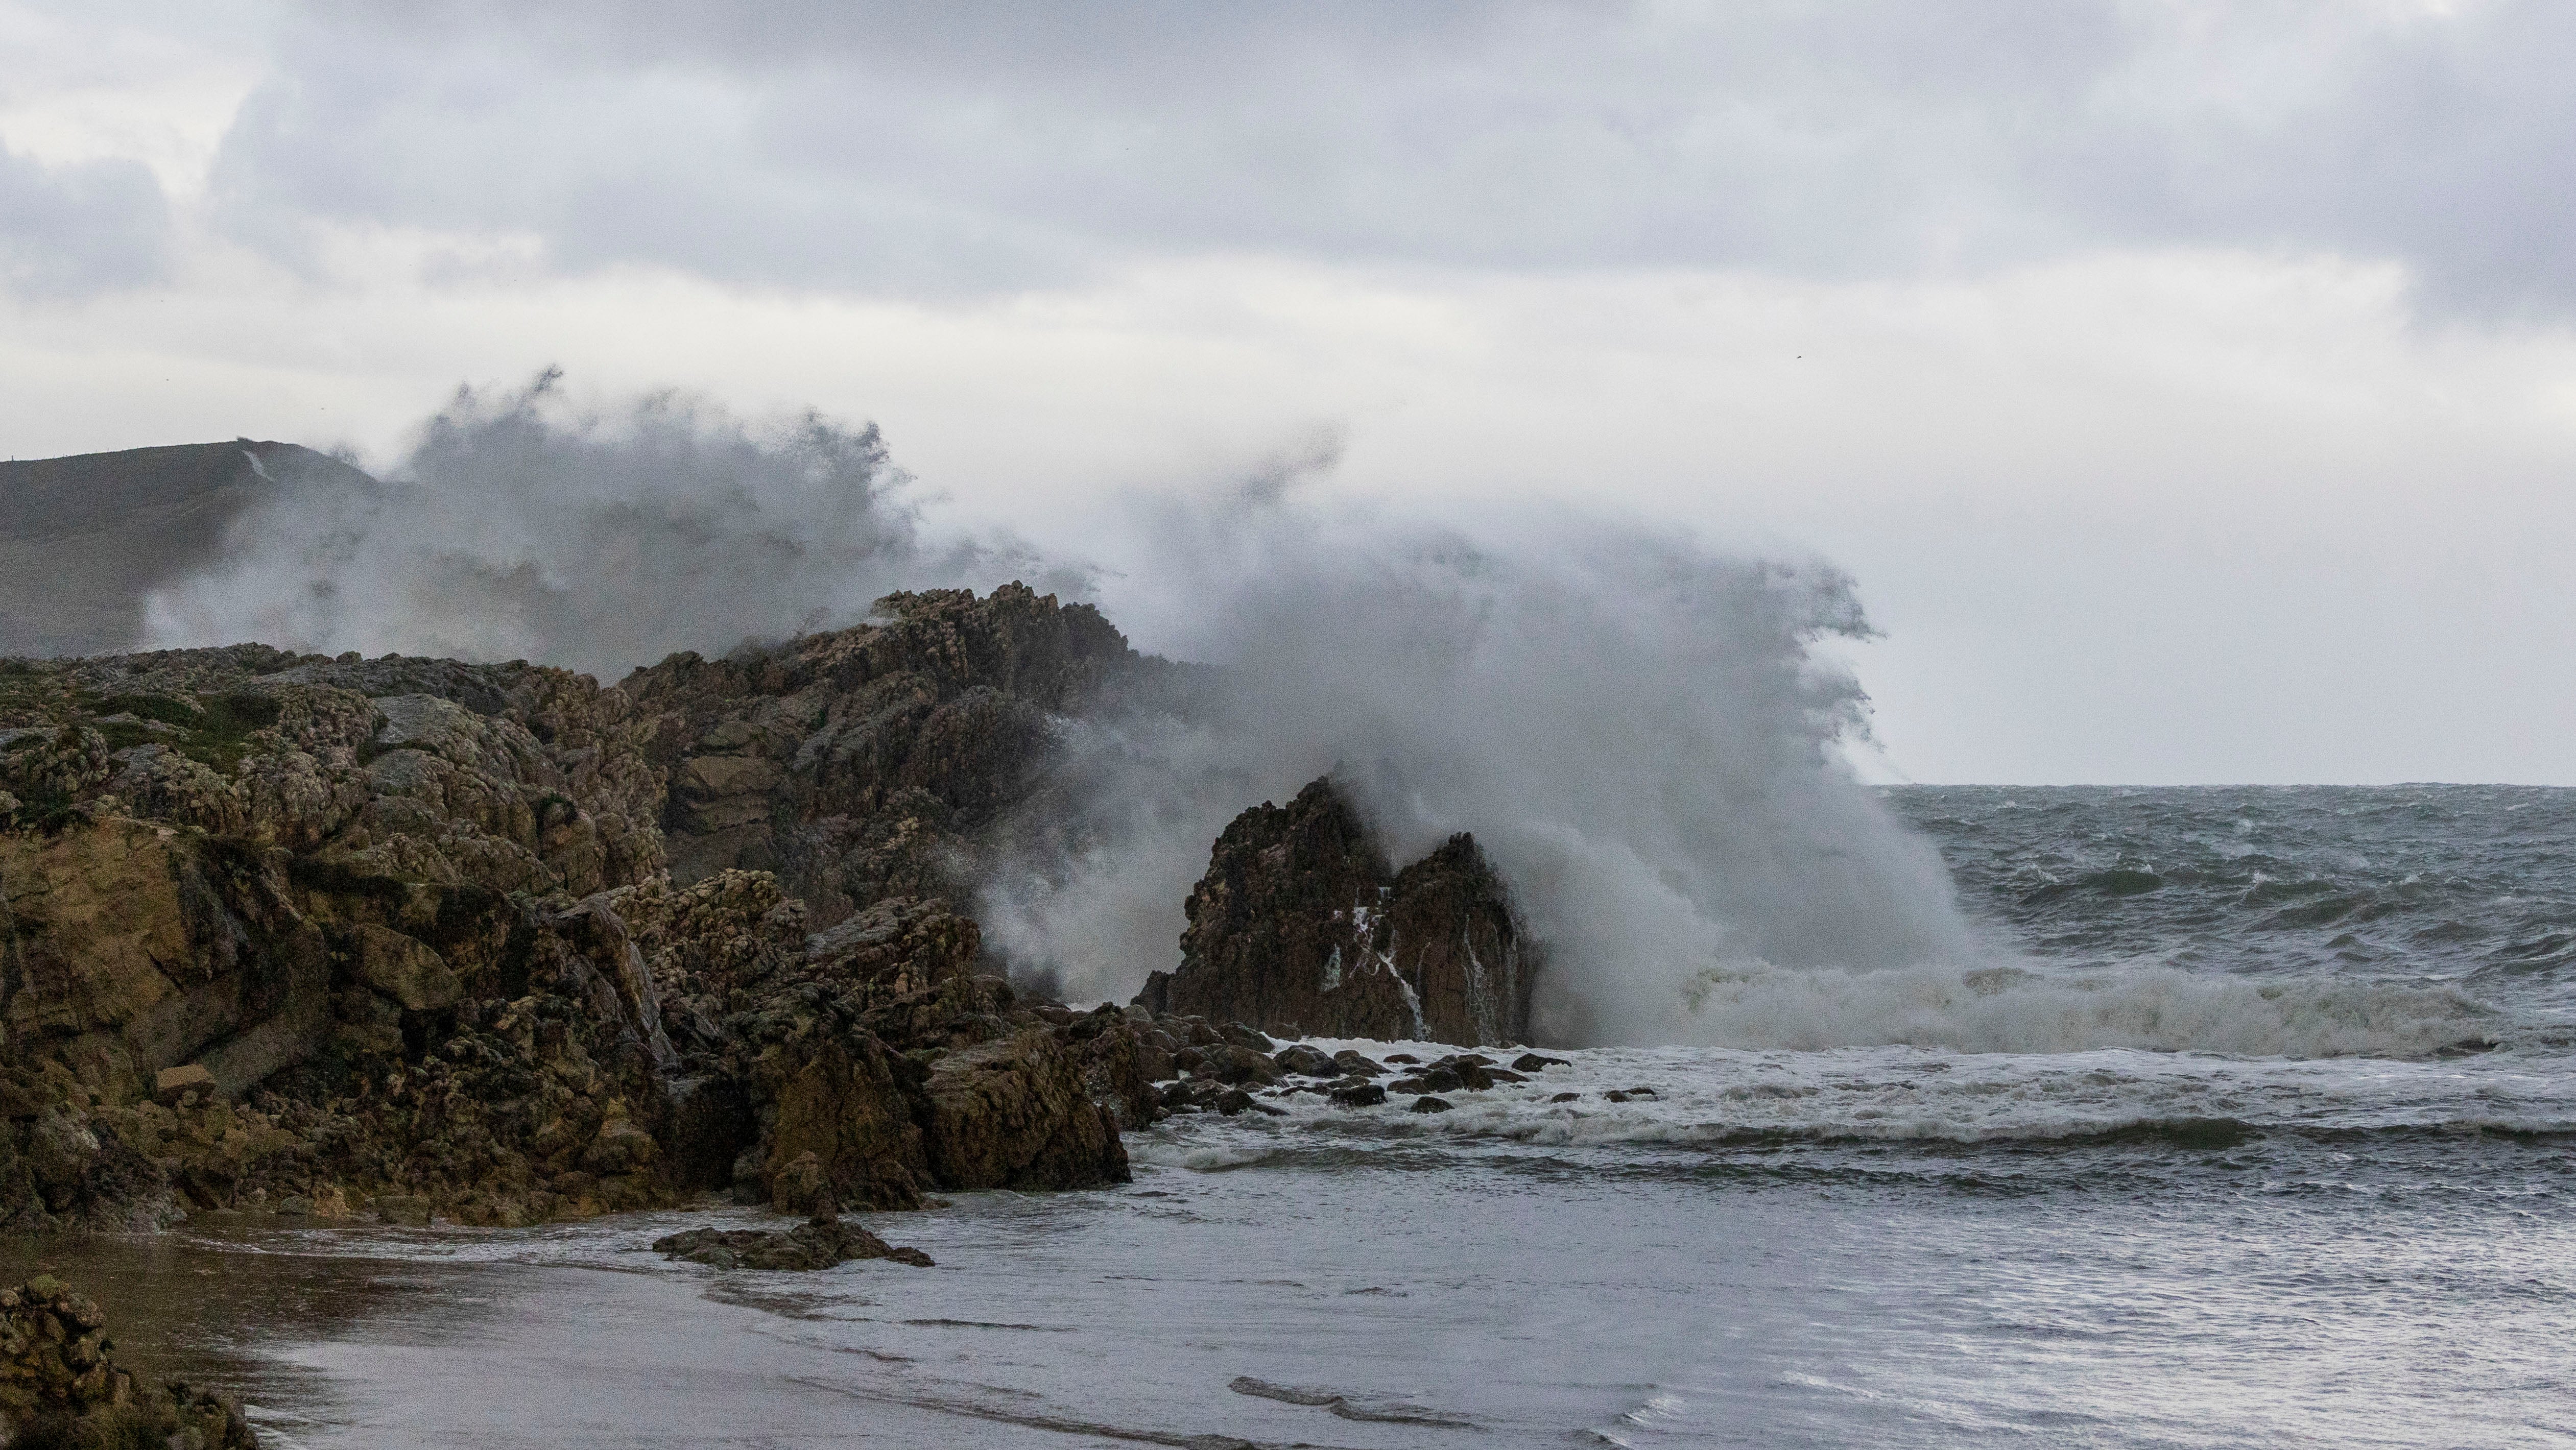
column 1301, row 927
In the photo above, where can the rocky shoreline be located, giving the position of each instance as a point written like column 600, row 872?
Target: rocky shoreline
column 415, row 939
column 60, row 1385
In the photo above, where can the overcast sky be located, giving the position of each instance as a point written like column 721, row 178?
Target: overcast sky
column 2190, row 386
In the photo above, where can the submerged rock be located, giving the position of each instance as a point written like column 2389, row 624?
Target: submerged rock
column 821, row 1242
column 1302, row 927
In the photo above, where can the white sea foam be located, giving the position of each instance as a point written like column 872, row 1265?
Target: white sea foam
column 1712, row 1096
column 2010, row 1009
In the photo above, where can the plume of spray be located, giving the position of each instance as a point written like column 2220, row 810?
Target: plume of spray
column 1648, row 741
column 1638, row 729
column 522, row 526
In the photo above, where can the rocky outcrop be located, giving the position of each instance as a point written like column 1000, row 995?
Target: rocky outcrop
column 873, row 1063
column 331, row 936
column 60, row 1383
column 879, row 761
column 1301, row 927
column 822, row 1242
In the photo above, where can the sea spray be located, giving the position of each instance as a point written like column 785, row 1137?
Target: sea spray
column 522, row 525
column 1637, row 727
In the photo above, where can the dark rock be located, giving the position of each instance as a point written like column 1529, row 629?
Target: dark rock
column 1533, row 1062
column 1351, row 1061
column 1430, row 1105
column 821, row 1242
column 1301, row 926
column 1231, row 1064
column 1306, row 1061
column 1359, row 1095
column 1503, row 1074
column 60, row 1383
column 408, row 1210
column 1406, row 1058
column 1566, row 1098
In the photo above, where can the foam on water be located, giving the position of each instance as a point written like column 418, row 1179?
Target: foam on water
column 1711, row 1097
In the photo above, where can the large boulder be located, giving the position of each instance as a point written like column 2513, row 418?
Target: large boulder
column 1014, row 1114
column 1301, row 927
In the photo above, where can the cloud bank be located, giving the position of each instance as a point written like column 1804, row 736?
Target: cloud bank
column 884, row 148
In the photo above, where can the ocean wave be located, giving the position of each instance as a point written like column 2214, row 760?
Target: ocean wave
column 2012, row 1009
column 1724, row 1098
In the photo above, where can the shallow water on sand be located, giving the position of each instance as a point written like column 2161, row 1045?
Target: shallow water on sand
column 1321, row 1281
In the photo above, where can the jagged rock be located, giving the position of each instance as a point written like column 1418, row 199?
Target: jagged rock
column 1301, row 927
column 1533, row 1062
column 1350, row 1061
column 60, row 1383
column 821, row 1242
column 874, row 762
column 1359, row 1095
column 1431, row 1105
column 402, row 928
column 1013, row 1114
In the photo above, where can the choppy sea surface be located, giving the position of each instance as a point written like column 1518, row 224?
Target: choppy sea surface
column 2252, row 1126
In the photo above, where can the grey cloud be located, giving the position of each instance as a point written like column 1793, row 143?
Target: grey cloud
column 908, row 149
column 68, row 231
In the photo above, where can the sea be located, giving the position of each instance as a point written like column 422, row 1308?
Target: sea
column 2253, row 1124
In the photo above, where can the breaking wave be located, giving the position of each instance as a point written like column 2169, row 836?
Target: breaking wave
column 1646, row 733
column 1638, row 728
column 2154, row 1008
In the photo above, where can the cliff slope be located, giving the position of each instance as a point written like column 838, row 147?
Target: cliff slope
column 84, row 538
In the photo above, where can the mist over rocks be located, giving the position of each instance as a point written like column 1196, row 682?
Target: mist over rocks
column 522, row 524
column 1638, row 731
column 890, row 757
column 85, row 539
